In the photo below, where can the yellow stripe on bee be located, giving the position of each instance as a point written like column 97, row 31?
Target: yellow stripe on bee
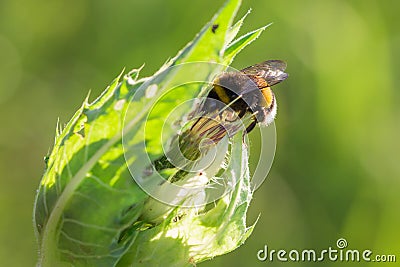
column 222, row 94
column 267, row 93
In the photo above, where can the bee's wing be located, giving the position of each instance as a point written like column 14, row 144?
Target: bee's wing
column 276, row 64
column 273, row 71
column 266, row 65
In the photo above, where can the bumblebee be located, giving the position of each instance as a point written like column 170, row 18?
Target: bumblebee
column 233, row 96
column 248, row 92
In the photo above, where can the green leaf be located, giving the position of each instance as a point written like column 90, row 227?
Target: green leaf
column 89, row 211
column 234, row 30
column 237, row 45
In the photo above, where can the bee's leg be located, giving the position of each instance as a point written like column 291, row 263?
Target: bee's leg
column 241, row 113
column 249, row 129
column 237, row 116
column 251, row 126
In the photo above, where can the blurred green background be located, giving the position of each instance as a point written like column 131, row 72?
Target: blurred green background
column 336, row 171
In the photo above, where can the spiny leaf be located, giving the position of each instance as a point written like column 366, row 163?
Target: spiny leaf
column 234, row 30
column 88, row 209
column 237, row 45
